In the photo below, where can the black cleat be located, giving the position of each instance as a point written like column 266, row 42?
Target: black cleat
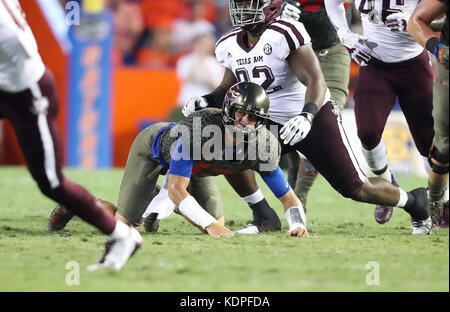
column 151, row 223
column 420, row 213
column 59, row 218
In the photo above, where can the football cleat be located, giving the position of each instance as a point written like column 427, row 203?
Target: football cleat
column 118, row 251
column 59, row 218
column 436, row 211
column 384, row 213
column 420, row 213
column 151, row 223
column 250, row 229
column 422, row 227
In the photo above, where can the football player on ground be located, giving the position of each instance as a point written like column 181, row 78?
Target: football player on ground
column 334, row 61
column 392, row 65
column 277, row 54
column 29, row 100
column 204, row 145
column 419, row 28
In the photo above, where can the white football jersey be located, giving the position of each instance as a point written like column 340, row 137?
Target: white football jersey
column 266, row 64
column 392, row 47
column 20, row 62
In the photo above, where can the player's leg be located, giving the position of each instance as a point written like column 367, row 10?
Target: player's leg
column 439, row 153
column 335, row 66
column 139, row 178
column 332, row 156
column 32, row 114
column 293, row 161
column 264, row 217
column 374, row 100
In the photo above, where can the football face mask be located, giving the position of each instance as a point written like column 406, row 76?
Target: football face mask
column 252, row 12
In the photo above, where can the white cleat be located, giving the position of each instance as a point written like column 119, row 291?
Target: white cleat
column 250, row 229
column 118, row 251
column 421, row 227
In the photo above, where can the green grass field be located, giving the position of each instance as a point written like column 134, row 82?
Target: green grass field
column 344, row 238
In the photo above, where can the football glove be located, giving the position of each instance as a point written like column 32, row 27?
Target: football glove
column 359, row 57
column 397, row 22
column 296, row 129
column 291, row 10
column 195, row 103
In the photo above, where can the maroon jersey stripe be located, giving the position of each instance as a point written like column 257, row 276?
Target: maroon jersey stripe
column 286, row 35
column 294, row 30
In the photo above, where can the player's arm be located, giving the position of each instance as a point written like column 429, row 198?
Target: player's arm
column 419, row 28
column 355, row 43
column 213, row 99
column 306, row 67
column 293, row 209
column 180, row 170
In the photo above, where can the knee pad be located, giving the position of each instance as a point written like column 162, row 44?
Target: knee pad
column 441, row 158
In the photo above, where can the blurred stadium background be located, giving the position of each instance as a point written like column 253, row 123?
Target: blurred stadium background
column 123, row 64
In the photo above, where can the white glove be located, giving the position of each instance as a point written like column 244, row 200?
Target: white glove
column 397, row 22
column 353, row 40
column 295, row 130
column 290, row 11
column 193, row 104
column 359, row 46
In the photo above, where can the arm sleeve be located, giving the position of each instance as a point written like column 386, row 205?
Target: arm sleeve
column 181, row 161
column 277, row 182
column 336, row 14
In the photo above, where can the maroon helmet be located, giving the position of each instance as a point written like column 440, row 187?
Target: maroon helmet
column 251, row 12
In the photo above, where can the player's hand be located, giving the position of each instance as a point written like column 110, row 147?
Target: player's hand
column 356, row 41
column 442, row 55
column 291, row 10
column 217, row 230
column 397, row 22
column 295, row 130
column 359, row 57
column 298, row 232
column 195, row 103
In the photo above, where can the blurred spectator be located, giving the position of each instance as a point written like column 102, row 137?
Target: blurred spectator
column 128, row 27
column 198, row 72
column 157, row 12
column 185, row 29
column 222, row 22
column 157, row 53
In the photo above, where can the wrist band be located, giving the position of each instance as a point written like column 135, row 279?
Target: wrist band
column 309, row 111
column 296, row 218
column 194, row 212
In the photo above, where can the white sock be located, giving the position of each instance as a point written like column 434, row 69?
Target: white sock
column 121, row 230
column 377, row 157
column 403, row 198
column 254, row 198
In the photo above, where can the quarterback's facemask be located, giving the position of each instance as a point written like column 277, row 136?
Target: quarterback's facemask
column 252, row 12
column 250, row 99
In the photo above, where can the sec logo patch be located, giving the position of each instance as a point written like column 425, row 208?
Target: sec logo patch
column 267, row 49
